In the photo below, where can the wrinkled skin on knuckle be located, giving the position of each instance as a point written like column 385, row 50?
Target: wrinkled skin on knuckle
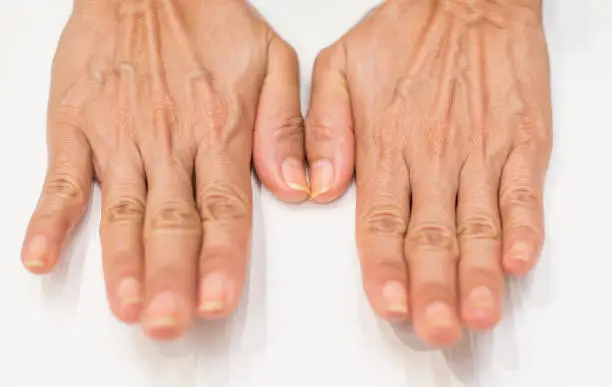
column 517, row 195
column 432, row 236
column 175, row 216
column 384, row 218
column 479, row 226
column 65, row 187
column 124, row 210
column 291, row 131
column 61, row 192
column 220, row 202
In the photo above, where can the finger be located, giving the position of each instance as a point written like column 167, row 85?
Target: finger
column 329, row 128
column 223, row 192
column 479, row 234
column 522, row 208
column 172, row 239
column 383, row 197
column 64, row 197
column 123, row 213
column 432, row 252
column 278, row 151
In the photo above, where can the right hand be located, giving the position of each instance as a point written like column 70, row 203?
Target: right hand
column 162, row 102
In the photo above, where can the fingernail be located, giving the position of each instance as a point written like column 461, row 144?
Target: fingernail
column 520, row 252
column 214, row 293
column 395, row 297
column 162, row 310
column 294, row 175
column 481, row 299
column 439, row 314
column 129, row 292
column 36, row 252
column 321, row 174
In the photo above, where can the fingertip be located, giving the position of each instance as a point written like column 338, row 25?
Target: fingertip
column 438, row 325
column 389, row 300
column 166, row 317
column 223, row 271
column 217, row 295
column 327, row 181
column 126, row 303
column 294, row 176
column 481, row 310
column 289, row 183
column 38, row 255
column 520, row 257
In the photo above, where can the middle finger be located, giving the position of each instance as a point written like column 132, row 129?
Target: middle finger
column 432, row 253
column 172, row 239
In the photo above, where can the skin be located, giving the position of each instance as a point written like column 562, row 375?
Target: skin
column 444, row 106
column 165, row 103
column 440, row 108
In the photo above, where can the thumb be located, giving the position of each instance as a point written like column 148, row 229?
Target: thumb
column 329, row 128
column 278, row 149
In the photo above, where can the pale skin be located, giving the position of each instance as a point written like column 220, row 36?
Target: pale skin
column 441, row 110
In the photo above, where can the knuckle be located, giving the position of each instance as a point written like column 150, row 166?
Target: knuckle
column 479, row 226
column 125, row 210
column 221, row 202
column 291, row 131
column 65, row 187
column 176, row 215
column 385, row 220
column 433, row 236
column 519, row 195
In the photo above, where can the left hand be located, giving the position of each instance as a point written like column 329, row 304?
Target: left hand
column 447, row 107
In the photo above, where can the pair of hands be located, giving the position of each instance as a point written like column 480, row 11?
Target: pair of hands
column 441, row 109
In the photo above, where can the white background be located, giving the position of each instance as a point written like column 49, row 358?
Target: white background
column 305, row 321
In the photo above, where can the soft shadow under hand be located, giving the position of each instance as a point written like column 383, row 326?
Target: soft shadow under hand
column 62, row 287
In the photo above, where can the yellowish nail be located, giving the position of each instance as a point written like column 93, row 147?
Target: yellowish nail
column 212, row 306
column 34, row 264
column 322, row 175
column 481, row 298
column 162, row 310
column 36, row 252
column 162, row 322
column 395, row 297
column 294, row 174
column 129, row 292
column 298, row 187
column 214, row 292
